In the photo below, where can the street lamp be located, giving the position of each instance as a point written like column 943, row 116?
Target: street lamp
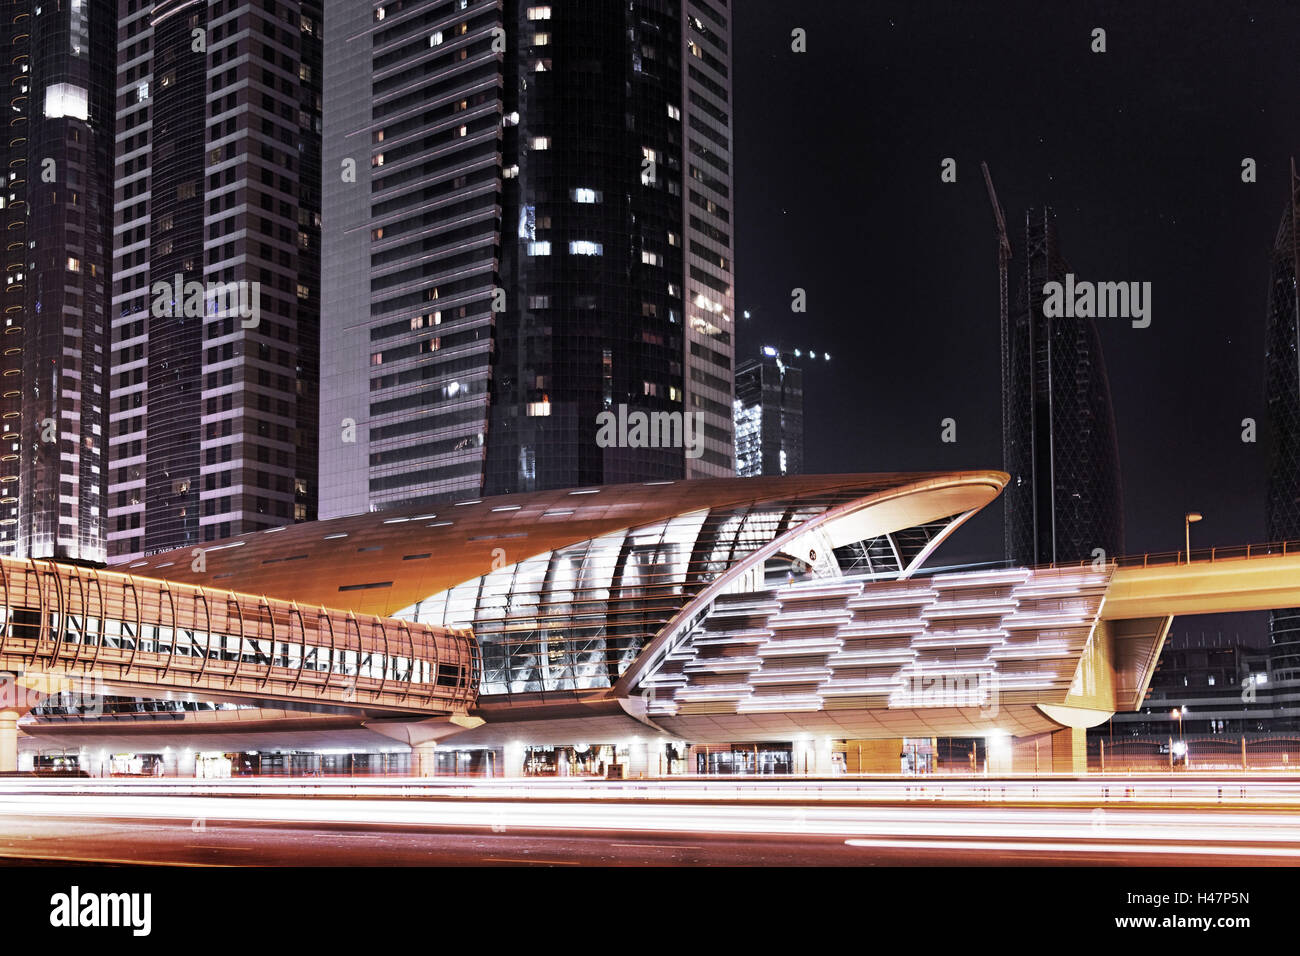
column 1188, row 520
column 1181, row 747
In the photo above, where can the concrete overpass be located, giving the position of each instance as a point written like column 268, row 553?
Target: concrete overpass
column 1145, row 593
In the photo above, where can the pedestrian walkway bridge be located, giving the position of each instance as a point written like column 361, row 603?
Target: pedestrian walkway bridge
column 135, row 635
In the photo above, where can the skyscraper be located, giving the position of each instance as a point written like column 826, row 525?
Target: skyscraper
column 1063, row 502
column 57, row 212
column 1282, row 397
column 769, row 415
column 214, row 408
column 527, row 212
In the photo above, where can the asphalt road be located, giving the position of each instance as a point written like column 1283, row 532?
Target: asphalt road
column 396, row 826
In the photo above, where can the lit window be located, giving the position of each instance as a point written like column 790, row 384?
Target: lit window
column 674, row 112
column 541, row 142
column 650, row 258
column 584, row 247
column 377, row 159
column 142, row 92
column 74, row 264
column 541, row 66
column 539, row 13
column 674, row 239
column 64, row 99
column 303, row 291
column 541, row 39
column 435, row 38
column 542, row 248
column 585, row 195
column 539, row 409
column 379, row 13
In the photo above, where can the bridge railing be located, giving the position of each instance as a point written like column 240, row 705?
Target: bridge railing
column 1196, row 555
column 64, row 618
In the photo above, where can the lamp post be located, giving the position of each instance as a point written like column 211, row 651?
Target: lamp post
column 1189, row 519
column 1180, row 712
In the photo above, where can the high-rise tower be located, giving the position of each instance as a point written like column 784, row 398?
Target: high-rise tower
column 57, row 203
column 769, row 414
column 214, row 408
column 528, row 217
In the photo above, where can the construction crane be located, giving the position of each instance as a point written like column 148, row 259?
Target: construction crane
column 1004, row 256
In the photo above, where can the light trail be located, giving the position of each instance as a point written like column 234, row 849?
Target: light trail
column 1275, row 792
column 1135, row 831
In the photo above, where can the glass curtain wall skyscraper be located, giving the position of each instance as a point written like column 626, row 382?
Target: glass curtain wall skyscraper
column 528, row 211
column 57, row 211
column 1063, row 502
column 769, row 415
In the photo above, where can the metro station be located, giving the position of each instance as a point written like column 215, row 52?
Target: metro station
column 775, row 625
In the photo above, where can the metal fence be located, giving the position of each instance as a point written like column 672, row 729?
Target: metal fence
column 1220, row 752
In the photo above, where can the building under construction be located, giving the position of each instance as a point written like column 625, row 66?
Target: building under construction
column 1282, row 395
column 1063, row 502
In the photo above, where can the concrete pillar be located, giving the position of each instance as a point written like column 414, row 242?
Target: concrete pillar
column 643, row 758
column 424, row 759
column 1070, row 751
column 882, row 756
column 821, row 763
column 1062, row 751
column 998, row 755
column 512, row 761
column 8, row 740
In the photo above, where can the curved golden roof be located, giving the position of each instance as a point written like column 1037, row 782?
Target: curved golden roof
column 380, row 562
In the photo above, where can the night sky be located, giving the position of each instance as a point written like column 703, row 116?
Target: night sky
column 1139, row 151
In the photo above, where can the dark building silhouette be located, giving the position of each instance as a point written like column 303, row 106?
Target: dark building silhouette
column 57, row 211
column 1064, row 500
column 1282, row 396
